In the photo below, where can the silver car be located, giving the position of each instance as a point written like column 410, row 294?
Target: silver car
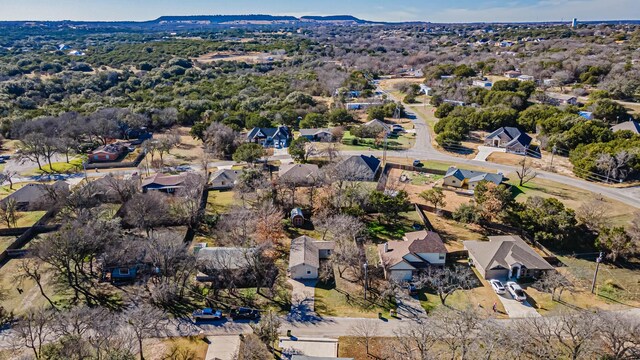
column 497, row 286
column 516, row 291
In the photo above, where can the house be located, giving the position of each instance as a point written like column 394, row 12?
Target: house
column 418, row 250
column 123, row 274
column 361, row 105
column 482, row 83
column 359, row 168
column 322, row 135
column 224, row 179
column 299, row 174
column 630, row 125
column 562, row 99
column 375, row 123
column 461, row 178
column 165, row 183
column 35, row 197
column 104, row 190
column 297, row 217
column 510, row 138
column 454, row 102
column 506, row 257
column 549, row 82
column 305, row 255
column 512, row 74
column 525, row 78
column 424, row 89
column 223, row 264
column 270, row 137
column 107, row 153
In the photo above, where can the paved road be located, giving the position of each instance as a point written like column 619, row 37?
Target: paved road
column 424, row 150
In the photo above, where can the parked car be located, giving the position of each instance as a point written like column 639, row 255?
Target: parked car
column 5, row 157
column 417, row 163
column 245, row 313
column 497, row 286
column 516, row 291
column 207, row 314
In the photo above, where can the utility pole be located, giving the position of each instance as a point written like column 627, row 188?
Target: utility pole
column 553, row 153
column 384, row 150
column 595, row 275
column 366, row 280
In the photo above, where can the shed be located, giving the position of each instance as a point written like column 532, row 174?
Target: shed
column 297, row 217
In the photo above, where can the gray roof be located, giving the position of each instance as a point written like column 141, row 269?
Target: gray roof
column 299, row 173
column 512, row 133
column 631, row 125
column 32, row 193
column 376, row 122
column 226, row 175
column 226, row 258
column 311, row 132
column 505, row 251
column 359, row 167
column 473, row 176
column 306, row 251
column 279, row 133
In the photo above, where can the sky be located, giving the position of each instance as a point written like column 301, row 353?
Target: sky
column 377, row 10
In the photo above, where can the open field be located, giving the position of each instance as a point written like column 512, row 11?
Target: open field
column 30, row 297
column 617, row 212
column 453, row 233
column 220, row 201
column 246, row 57
column 345, row 299
column 74, row 165
column 561, row 165
column 190, row 150
column 25, row 219
column 5, row 241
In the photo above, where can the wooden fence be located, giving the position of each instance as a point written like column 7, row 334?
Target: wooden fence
column 40, row 227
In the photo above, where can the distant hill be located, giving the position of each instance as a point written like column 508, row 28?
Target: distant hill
column 334, row 18
column 221, row 19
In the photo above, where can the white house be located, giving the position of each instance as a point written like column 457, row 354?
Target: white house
column 426, row 90
column 461, row 178
column 418, row 250
column 482, row 83
column 526, row 78
column 305, row 255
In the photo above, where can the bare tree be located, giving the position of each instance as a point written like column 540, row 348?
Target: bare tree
column 32, row 330
column 364, row 331
column 614, row 166
column 269, row 228
column 253, row 349
column 445, row 281
column 7, row 176
column 174, row 266
column 147, row 211
column 31, row 269
column 221, row 140
column 619, row 336
column 9, row 213
column 416, row 340
column 458, row 329
column 553, row 282
column 267, row 329
column 593, row 214
column 123, row 189
column 145, row 321
column 526, row 172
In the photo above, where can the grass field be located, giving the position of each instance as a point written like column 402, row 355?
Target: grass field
column 26, row 219
column 74, row 165
column 381, row 231
column 175, row 348
column 5, row 241
column 345, row 299
column 617, row 212
column 219, row 201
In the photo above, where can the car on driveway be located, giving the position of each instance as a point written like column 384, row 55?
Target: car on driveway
column 413, row 290
column 516, row 291
column 417, row 163
column 207, row 314
column 245, row 313
column 497, row 286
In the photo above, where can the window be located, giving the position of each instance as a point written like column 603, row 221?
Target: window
column 96, row 157
column 107, row 157
column 308, row 272
column 441, row 256
column 328, row 252
column 123, row 271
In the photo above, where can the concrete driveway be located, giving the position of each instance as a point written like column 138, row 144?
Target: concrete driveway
column 223, row 347
column 485, row 151
column 408, row 307
column 516, row 309
column 302, row 300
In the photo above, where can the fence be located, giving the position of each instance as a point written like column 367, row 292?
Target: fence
column 384, row 177
column 40, row 227
column 112, row 165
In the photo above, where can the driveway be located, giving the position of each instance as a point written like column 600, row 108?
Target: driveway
column 485, row 151
column 302, row 300
column 223, row 347
column 516, row 309
column 408, row 307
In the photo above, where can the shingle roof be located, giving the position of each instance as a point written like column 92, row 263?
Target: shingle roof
column 226, row 175
column 311, row 132
column 32, row 193
column 505, row 251
column 299, row 173
column 514, row 134
column 304, row 252
column 425, row 242
column 360, row 166
column 631, row 125
column 281, row 132
column 376, row 122
column 164, row 180
column 473, row 176
column 226, row 258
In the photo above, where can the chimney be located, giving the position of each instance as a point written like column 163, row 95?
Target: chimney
column 386, row 247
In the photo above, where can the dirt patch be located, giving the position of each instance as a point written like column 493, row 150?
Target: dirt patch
column 561, row 165
column 246, row 57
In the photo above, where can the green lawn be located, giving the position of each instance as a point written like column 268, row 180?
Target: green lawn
column 219, row 201
column 26, row 219
column 74, row 165
column 383, row 230
column 402, row 142
column 345, row 299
